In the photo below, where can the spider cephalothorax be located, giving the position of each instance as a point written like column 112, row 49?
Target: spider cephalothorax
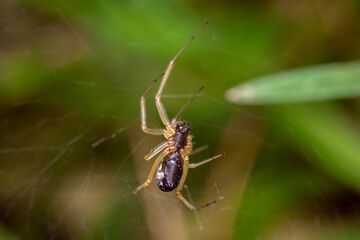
column 172, row 163
column 182, row 131
column 182, row 127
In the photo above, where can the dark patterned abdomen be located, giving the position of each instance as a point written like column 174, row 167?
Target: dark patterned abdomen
column 169, row 172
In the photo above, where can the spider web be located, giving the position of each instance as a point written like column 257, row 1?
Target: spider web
column 72, row 148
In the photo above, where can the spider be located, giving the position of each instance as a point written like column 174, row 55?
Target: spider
column 172, row 163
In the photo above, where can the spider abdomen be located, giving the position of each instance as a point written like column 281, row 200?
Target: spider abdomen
column 169, row 172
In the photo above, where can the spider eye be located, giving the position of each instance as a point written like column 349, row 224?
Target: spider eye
column 179, row 127
column 186, row 126
column 182, row 127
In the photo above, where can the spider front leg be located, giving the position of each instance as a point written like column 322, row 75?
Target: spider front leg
column 160, row 107
column 143, row 113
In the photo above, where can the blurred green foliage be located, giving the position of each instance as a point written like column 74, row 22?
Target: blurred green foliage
column 71, row 76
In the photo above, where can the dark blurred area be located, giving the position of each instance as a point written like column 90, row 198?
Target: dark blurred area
column 71, row 146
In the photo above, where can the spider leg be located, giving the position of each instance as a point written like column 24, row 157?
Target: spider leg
column 159, row 105
column 155, row 150
column 181, row 184
column 199, row 149
column 186, row 105
column 153, row 169
column 194, row 165
column 143, row 112
column 186, row 166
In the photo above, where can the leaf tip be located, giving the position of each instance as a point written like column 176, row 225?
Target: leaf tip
column 242, row 93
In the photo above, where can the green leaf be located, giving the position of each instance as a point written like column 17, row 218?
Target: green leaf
column 316, row 83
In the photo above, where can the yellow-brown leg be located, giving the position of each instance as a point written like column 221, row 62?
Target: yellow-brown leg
column 194, row 165
column 181, row 184
column 155, row 150
column 159, row 105
column 198, row 149
column 143, row 112
column 152, row 171
column 186, row 166
column 186, row 105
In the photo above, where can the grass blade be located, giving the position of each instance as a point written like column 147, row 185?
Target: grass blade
column 316, row 83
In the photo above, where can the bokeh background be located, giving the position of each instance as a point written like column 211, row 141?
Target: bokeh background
column 71, row 152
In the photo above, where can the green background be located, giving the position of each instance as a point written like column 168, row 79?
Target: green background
column 71, row 147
